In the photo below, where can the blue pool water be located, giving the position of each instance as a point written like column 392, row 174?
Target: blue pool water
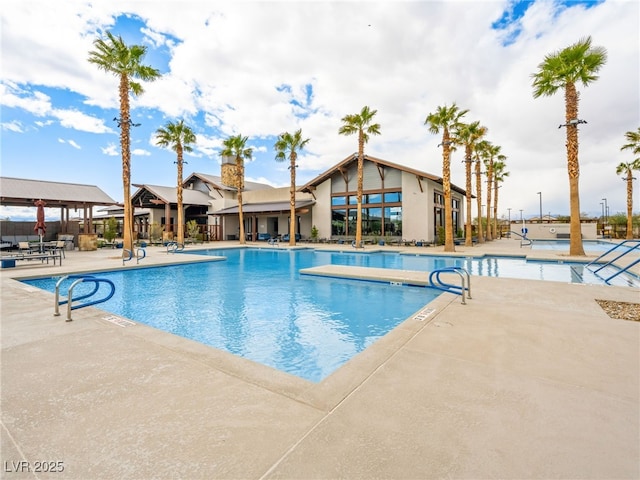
column 256, row 305
column 595, row 246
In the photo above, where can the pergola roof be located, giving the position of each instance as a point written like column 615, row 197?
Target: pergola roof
column 21, row 192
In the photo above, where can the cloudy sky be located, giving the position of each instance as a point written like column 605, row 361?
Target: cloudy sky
column 259, row 68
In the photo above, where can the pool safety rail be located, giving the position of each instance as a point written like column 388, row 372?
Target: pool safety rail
column 78, row 279
column 464, row 289
column 173, row 247
column 140, row 253
column 524, row 240
column 627, row 247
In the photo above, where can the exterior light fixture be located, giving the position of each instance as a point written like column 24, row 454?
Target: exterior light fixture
column 131, row 124
column 572, row 123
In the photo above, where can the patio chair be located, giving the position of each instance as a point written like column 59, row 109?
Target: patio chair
column 59, row 248
column 24, row 247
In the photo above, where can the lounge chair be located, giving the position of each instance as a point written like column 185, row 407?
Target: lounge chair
column 24, row 247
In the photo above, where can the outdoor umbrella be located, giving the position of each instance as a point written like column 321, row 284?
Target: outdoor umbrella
column 40, row 227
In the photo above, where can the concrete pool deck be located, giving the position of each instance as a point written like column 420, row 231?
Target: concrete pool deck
column 529, row 379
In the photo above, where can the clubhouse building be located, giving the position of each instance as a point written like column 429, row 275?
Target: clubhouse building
column 398, row 203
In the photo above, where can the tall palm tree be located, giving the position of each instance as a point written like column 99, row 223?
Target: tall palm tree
column 499, row 174
column 481, row 155
column 563, row 69
column 492, row 154
column 287, row 146
column 125, row 62
column 236, row 146
column 179, row 138
column 446, row 119
column 469, row 134
column 627, row 168
column 360, row 123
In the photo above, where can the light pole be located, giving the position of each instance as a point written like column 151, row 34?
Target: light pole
column 540, row 194
column 602, row 205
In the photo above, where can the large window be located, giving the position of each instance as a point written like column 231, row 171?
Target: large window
column 381, row 213
column 439, row 215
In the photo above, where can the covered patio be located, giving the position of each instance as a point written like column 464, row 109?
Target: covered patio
column 262, row 220
column 21, row 192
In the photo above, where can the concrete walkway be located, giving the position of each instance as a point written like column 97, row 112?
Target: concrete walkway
column 529, row 379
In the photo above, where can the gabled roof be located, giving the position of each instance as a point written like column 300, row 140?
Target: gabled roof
column 153, row 195
column 216, row 183
column 353, row 158
column 24, row 192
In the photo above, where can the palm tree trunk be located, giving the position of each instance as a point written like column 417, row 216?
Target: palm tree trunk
column 125, row 145
column 479, row 201
column 446, row 186
column 468, row 241
column 179, row 206
column 292, row 201
column 573, row 167
column 489, row 188
column 360, row 188
column 629, row 205
column 240, row 168
column 495, row 208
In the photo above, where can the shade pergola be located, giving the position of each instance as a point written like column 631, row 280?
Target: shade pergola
column 22, row 192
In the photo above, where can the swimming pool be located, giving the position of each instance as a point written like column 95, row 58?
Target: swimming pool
column 256, row 305
column 561, row 245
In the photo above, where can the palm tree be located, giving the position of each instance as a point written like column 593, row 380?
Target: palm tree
column 481, row 155
column 492, row 154
column 469, row 134
column 446, row 119
column 499, row 174
column 627, row 167
column 563, row 69
column 179, row 138
column 360, row 123
column 235, row 146
column 125, row 62
column 291, row 145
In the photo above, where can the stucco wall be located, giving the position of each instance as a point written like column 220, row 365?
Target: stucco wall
column 417, row 216
column 321, row 213
column 550, row 231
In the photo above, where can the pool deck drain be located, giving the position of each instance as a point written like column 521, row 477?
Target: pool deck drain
column 530, row 380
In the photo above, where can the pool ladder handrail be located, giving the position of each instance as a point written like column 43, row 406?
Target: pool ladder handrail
column 140, row 254
column 173, row 247
column 69, row 300
column 611, row 262
column 465, row 286
column 523, row 238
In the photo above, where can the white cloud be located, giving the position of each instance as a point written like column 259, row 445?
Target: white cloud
column 13, row 126
column 236, row 67
column 111, row 150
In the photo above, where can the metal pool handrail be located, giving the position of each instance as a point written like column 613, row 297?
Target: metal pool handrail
column 138, row 255
column 637, row 244
column 173, row 247
column 448, row 287
column 523, row 238
column 80, row 279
